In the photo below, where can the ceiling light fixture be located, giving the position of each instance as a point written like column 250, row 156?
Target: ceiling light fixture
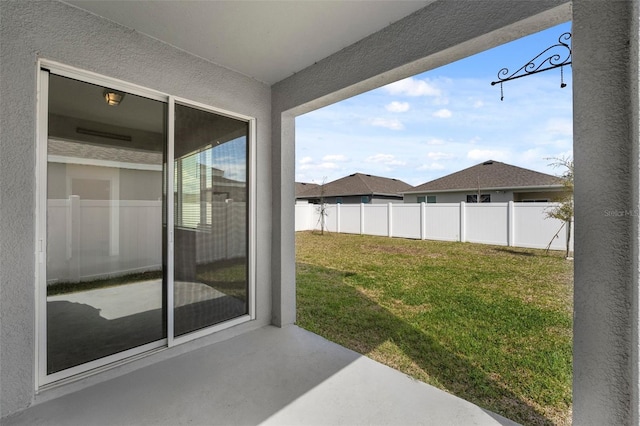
column 112, row 97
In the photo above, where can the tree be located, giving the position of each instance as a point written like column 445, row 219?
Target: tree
column 322, row 208
column 564, row 210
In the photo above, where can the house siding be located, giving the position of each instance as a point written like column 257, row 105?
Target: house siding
column 58, row 32
column 357, row 199
column 456, row 197
column 542, row 195
column 496, row 196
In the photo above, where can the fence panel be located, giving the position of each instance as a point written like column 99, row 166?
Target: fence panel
column 540, row 235
column 406, row 220
column 331, row 218
column 350, row 218
column 304, row 217
column 103, row 238
column 442, row 222
column 237, row 230
column 58, row 233
column 487, row 223
column 376, row 220
column 140, row 232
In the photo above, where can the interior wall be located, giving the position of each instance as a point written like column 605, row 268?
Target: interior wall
column 56, row 31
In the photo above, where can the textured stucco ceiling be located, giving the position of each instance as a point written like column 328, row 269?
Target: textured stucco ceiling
column 266, row 40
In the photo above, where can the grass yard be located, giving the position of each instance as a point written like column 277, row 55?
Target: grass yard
column 490, row 324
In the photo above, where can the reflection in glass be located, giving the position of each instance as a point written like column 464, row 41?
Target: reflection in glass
column 105, row 218
column 210, row 199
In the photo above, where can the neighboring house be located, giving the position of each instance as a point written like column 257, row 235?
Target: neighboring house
column 259, row 78
column 302, row 187
column 494, row 181
column 356, row 189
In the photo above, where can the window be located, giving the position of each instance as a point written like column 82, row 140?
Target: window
column 364, row 199
column 338, row 200
column 484, row 198
column 421, row 199
column 431, row 199
column 145, row 234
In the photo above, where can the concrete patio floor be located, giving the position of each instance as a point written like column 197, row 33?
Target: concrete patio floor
column 271, row 376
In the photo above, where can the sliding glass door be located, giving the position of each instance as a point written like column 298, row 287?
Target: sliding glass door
column 210, row 196
column 125, row 267
column 106, row 164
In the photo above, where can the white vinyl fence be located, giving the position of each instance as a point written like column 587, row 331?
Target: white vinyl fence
column 89, row 239
column 507, row 224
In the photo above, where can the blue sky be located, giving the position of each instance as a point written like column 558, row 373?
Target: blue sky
column 444, row 120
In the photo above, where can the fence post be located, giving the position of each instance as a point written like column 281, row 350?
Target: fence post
column 510, row 224
column 390, row 220
column 229, row 222
column 338, row 218
column 73, row 236
column 114, row 227
column 423, row 221
column 361, row 218
column 463, row 221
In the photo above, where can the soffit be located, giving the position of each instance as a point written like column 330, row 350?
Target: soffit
column 265, row 40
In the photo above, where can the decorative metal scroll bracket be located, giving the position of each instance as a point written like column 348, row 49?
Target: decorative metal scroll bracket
column 556, row 56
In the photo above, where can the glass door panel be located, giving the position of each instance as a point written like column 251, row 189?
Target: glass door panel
column 210, row 199
column 106, row 250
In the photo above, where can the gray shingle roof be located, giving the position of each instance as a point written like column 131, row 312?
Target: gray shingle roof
column 489, row 175
column 304, row 186
column 358, row 184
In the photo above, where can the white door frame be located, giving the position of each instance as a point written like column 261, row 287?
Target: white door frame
column 44, row 380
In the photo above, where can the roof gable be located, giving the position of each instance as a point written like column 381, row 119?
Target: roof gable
column 357, row 184
column 489, row 174
column 304, row 186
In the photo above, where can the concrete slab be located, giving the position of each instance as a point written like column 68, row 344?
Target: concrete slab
column 272, row 376
column 134, row 298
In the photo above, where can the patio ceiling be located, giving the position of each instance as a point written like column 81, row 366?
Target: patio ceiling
column 278, row 38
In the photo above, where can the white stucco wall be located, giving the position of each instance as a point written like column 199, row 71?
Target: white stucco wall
column 605, row 99
column 58, row 32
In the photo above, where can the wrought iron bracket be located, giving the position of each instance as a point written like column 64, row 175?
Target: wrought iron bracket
column 555, row 56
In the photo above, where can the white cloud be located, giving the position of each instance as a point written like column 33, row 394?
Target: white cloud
column 412, row 87
column 487, row 154
column 396, row 106
column 435, row 141
column 439, row 156
column 432, row 166
column 531, row 155
column 335, row 157
column 443, row 113
column 306, row 160
column 386, row 159
column 478, row 104
column 327, row 165
column 392, row 124
column 321, row 166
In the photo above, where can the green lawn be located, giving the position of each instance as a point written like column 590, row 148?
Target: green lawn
column 489, row 324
